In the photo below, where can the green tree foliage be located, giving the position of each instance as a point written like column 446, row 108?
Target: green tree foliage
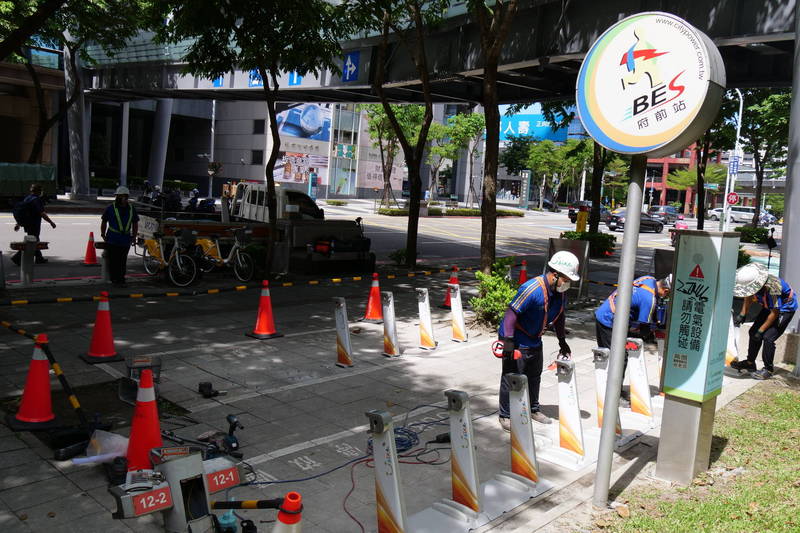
column 385, row 138
column 104, row 23
column 466, row 131
column 408, row 22
column 546, row 160
column 515, row 154
column 267, row 38
column 764, row 132
column 442, row 150
column 20, row 20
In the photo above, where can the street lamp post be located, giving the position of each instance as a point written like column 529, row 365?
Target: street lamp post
column 733, row 168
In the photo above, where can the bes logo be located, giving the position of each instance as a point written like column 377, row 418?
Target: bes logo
column 640, row 62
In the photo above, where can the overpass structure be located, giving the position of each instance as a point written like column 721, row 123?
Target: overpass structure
column 539, row 62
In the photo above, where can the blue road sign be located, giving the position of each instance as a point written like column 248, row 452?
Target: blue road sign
column 254, row 80
column 218, row 82
column 295, row 79
column 350, row 66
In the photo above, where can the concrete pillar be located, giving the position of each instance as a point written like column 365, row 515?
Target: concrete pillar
column 790, row 244
column 125, row 115
column 664, row 174
column 77, row 132
column 160, row 140
column 687, row 209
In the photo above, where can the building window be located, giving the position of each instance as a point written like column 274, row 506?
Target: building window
column 258, row 127
column 256, row 157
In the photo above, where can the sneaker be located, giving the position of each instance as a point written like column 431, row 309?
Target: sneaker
column 761, row 374
column 745, row 365
column 538, row 416
column 505, row 423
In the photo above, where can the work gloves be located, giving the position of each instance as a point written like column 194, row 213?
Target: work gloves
column 563, row 347
column 508, row 346
column 738, row 320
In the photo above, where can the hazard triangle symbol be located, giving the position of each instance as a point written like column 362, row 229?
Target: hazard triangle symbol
column 697, row 272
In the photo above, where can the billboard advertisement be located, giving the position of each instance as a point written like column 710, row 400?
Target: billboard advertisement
column 293, row 167
column 306, row 121
column 371, row 176
column 534, row 125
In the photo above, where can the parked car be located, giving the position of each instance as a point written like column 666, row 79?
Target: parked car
column 574, row 208
column 714, row 214
column 647, row 223
column 667, row 212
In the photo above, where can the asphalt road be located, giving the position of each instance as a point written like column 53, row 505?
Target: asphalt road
column 441, row 240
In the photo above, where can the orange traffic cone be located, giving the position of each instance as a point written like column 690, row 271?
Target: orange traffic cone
column 523, row 273
column 265, row 324
column 453, row 281
column 35, row 410
column 290, row 514
column 90, row 259
column 374, row 311
column 145, row 428
column 101, row 349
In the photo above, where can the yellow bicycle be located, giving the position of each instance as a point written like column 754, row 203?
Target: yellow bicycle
column 209, row 255
column 179, row 265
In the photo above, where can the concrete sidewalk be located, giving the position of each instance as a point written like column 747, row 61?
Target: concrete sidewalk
column 303, row 416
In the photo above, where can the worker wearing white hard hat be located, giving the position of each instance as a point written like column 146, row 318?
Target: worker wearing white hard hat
column 646, row 296
column 120, row 224
column 778, row 303
column 539, row 303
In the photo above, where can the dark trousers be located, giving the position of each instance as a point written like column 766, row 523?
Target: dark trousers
column 117, row 257
column 531, row 365
column 30, row 230
column 603, row 335
column 770, row 336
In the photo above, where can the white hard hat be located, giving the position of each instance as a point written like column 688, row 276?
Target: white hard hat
column 749, row 280
column 122, row 190
column 666, row 282
column 565, row 263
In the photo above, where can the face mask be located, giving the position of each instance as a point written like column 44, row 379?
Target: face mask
column 564, row 287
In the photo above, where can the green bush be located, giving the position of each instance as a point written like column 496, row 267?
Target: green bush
column 398, row 256
column 335, row 202
column 435, row 211
column 743, row 259
column 600, row 244
column 752, row 235
column 495, row 292
column 468, row 212
column 103, row 183
column 393, row 212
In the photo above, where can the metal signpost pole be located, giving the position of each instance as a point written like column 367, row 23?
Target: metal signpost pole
column 790, row 249
column 627, row 261
column 733, row 168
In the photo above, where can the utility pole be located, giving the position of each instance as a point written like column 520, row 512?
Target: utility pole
column 733, row 167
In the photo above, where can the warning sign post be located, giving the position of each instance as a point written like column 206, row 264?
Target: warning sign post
column 694, row 357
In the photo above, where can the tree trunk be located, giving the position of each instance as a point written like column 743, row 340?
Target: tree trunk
column 759, row 186
column 597, row 185
column 489, row 205
column 415, row 194
column 270, row 94
column 701, row 149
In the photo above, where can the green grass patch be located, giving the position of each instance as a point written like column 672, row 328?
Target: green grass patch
column 336, row 202
column 753, row 485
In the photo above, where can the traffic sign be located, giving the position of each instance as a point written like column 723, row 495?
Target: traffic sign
column 733, row 198
column 350, row 66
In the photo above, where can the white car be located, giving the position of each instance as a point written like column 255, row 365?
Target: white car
column 714, row 214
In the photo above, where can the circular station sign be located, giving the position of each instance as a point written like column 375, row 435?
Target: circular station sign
column 651, row 84
column 733, row 198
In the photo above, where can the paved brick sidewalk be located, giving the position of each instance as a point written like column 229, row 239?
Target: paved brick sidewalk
column 302, row 414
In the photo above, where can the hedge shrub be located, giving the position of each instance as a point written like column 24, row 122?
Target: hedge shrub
column 753, row 235
column 459, row 212
column 600, row 244
column 743, row 258
column 335, row 202
column 495, row 292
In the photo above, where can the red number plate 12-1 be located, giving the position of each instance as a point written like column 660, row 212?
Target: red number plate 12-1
column 222, row 479
column 154, row 500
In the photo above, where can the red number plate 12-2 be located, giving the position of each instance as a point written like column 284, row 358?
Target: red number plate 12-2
column 153, row 500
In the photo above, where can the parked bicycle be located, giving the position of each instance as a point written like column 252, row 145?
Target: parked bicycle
column 179, row 265
column 209, row 255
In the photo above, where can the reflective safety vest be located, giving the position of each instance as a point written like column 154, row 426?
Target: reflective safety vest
column 126, row 229
column 638, row 283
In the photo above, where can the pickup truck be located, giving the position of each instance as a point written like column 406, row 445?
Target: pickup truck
column 304, row 242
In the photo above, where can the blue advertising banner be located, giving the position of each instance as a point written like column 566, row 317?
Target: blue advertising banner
column 534, row 125
column 700, row 314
